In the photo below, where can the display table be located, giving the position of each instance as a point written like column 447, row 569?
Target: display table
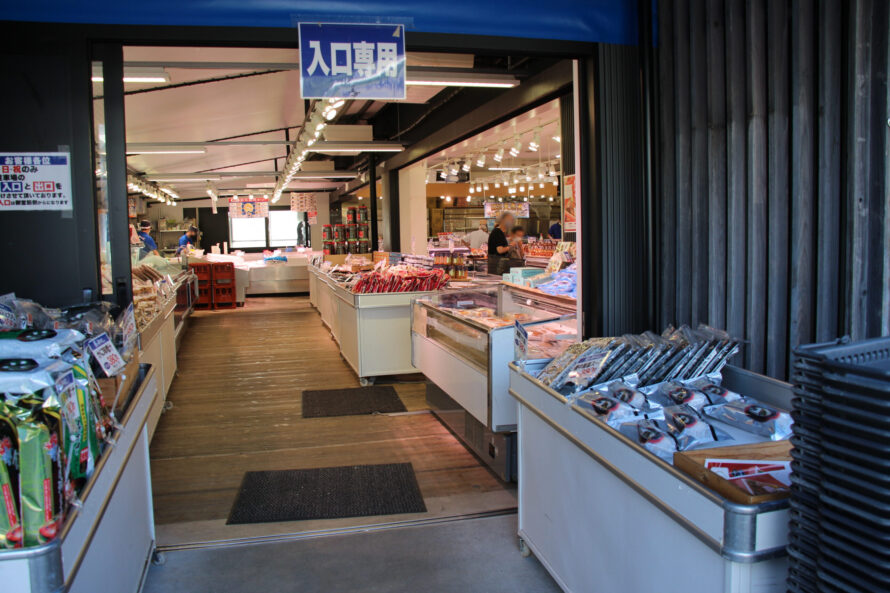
column 372, row 330
column 603, row 514
column 157, row 347
column 106, row 543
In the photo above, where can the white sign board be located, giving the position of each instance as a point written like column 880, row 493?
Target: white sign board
column 35, row 181
column 106, row 354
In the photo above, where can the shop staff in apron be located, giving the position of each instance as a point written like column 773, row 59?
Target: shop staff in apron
column 498, row 246
column 189, row 238
column 149, row 247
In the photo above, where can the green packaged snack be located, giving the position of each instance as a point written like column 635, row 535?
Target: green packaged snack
column 39, row 460
column 10, row 525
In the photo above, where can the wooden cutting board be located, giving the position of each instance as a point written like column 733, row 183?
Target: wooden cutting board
column 693, row 464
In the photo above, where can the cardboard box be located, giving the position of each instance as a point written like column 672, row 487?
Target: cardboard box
column 111, row 385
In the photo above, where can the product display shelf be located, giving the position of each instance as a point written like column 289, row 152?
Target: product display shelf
column 640, row 522
column 467, row 361
column 372, row 330
column 106, row 541
column 157, row 347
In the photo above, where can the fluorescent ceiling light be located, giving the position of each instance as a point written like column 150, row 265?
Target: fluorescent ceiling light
column 471, row 79
column 183, row 178
column 503, row 168
column 162, row 149
column 356, row 146
column 136, row 74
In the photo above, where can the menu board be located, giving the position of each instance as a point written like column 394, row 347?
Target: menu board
column 303, row 203
column 494, row 209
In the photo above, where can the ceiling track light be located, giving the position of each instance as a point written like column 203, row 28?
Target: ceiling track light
column 535, row 143
column 516, row 148
column 499, row 155
column 480, row 160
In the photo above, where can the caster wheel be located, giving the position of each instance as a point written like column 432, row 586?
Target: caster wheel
column 524, row 550
column 168, row 405
column 158, row 558
column 366, row 381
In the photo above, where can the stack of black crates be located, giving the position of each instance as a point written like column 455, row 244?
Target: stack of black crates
column 840, row 493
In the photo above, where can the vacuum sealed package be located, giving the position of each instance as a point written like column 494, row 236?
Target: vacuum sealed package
column 37, row 343
column 9, row 318
column 710, row 386
column 624, row 391
column 28, row 375
column 752, row 416
column 652, row 435
column 688, row 427
column 556, row 371
column 10, row 525
column 673, row 393
column 608, row 409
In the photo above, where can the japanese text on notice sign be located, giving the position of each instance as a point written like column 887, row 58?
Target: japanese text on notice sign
column 35, row 181
column 352, row 61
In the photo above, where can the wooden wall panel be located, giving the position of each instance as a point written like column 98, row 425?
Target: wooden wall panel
column 773, row 130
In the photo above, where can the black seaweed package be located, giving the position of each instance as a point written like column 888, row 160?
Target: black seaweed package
column 710, row 386
column 652, row 435
column 689, row 428
column 10, row 524
column 753, row 416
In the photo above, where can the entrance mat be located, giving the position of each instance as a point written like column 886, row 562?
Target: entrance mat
column 327, row 493
column 354, row 401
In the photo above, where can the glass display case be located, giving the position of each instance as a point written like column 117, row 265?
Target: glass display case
column 463, row 341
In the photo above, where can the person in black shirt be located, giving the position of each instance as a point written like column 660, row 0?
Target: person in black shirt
column 498, row 246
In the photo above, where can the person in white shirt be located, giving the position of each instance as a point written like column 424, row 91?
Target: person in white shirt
column 475, row 239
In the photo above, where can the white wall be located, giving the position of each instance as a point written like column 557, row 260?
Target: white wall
column 412, row 209
column 322, row 201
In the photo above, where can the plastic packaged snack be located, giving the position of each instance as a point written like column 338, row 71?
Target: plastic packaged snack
column 710, row 386
column 10, row 524
column 673, row 393
column 752, row 416
column 28, row 375
column 688, row 427
column 608, row 409
column 652, row 435
column 37, row 343
column 624, row 391
column 38, row 487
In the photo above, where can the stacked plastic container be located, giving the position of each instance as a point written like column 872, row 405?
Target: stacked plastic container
column 840, row 494
column 224, row 286
column 205, row 288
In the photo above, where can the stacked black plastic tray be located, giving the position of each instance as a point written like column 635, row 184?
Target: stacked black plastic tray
column 840, row 494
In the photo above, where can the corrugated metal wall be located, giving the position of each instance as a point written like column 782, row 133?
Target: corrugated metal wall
column 774, row 182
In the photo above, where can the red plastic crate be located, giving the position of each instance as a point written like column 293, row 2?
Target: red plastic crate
column 223, row 273
column 224, row 297
column 205, row 297
column 202, row 271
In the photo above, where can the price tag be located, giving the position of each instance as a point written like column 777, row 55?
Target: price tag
column 65, row 390
column 128, row 328
column 106, row 354
column 520, row 342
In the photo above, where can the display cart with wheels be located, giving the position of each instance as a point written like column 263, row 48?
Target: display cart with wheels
column 603, row 514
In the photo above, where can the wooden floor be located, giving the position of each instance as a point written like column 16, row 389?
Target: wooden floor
column 236, row 408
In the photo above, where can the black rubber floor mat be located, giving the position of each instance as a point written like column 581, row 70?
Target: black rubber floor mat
column 354, row 401
column 327, row 493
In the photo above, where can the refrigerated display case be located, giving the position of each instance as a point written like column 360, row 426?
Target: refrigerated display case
column 463, row 342
column 626, row 499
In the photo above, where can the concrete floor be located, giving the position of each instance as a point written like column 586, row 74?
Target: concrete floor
column 472, row 555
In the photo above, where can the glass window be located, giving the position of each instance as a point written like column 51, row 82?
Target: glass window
column 247, row 232
column 283, row 228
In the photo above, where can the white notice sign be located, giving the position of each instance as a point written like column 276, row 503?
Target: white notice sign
column 35, row 181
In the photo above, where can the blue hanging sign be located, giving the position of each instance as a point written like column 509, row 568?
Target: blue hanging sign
column 352, row 61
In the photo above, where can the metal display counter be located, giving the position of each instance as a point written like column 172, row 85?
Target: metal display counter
column 467, row 360
column 602, row 514
column 372, row 330
column 105, row 543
